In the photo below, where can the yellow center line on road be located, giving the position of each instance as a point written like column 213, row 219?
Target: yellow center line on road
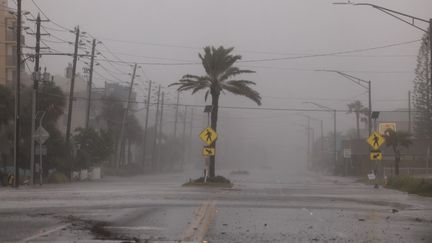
column 204, row 216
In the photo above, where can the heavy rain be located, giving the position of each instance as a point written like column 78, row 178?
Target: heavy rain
column 215, row 121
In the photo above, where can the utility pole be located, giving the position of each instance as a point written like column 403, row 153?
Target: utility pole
column 370, row 107
column 125, row 114
column 146, row 123
column 155, row 129
column 184, row 136
column 409, row 111
column 72, row 85
column 71, row 94
column 322, row 137
column 36, row 79
column 160, row 134
column 308, row 141
column 190, row 134
column 17, row 95
column 430, row 63
column 335, row 139
column 90, row 83
column 176, row 114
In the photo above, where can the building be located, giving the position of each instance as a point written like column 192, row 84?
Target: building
column 7, row 44
column 399, row 118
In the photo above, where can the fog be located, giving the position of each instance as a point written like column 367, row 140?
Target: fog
column 168, row 32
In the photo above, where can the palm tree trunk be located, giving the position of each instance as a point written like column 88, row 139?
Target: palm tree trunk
column 214, row 117
column 397, row 161
column 358, row 124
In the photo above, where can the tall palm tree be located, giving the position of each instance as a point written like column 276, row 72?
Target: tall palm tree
column 220, row 71
column 359, row 111
column 396, row 140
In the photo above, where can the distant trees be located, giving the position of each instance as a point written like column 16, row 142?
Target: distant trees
column 218, row 64
column 112, row 113
column 396, row 140
column 6, row 105
column 94, row 147
column 422, row 96
column 360, row 111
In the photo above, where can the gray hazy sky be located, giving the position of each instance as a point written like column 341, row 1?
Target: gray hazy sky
column 175, row 31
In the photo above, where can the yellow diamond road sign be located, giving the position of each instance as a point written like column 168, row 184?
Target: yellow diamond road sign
column 375, row 140
column 208, row 136
column 376, row 155
column 208, row 151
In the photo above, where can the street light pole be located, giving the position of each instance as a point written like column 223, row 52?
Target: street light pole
column 362, row 83
column 399, row 15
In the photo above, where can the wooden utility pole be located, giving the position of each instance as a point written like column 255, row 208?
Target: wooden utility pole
column 146, row 123
column 190, row 134
column 155, row 130
column 184, row 137
column 36, row 79
column 160, row 134
column 176, row 114
column 90, row 83
column 125, row 115
column 17, row 95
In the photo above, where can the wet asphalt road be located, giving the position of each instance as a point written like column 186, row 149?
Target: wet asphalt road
column 264, row 206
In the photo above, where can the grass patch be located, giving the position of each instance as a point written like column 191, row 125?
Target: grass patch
column 217, row 181
column 413, row 185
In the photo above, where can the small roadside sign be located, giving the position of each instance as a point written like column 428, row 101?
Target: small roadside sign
column 41, row 135
column 209, row 151
column 371, row 176
column 376, row 155
column 208, row 135
column 375, row 140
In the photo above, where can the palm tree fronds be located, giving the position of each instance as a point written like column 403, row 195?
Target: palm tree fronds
column 243, row 90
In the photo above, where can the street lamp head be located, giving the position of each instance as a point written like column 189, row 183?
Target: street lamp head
column 343, row 3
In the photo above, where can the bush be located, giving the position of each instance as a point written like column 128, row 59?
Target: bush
column 57, row 177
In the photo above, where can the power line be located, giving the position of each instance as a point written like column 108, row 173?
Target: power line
column 46, row 16
column 272, row 59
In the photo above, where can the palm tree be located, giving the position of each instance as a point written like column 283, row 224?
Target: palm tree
column 396, row 140
column 359, row 110
column 220, row 71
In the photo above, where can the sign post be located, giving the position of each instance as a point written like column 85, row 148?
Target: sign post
column 40, row 136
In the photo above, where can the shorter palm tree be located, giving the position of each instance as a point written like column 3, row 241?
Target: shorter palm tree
column 396, row 140
column 361, row 113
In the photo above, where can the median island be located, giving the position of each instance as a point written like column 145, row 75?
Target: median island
column 217, row 181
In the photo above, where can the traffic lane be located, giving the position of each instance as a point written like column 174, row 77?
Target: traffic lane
column 297, row 220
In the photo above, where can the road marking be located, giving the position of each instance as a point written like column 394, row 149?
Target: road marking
column 204, row 216
column 45, row 232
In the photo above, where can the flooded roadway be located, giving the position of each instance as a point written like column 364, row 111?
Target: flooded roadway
column 264, row 206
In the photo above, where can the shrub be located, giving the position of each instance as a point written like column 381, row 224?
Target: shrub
column 57, row 177
column 411, row 184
